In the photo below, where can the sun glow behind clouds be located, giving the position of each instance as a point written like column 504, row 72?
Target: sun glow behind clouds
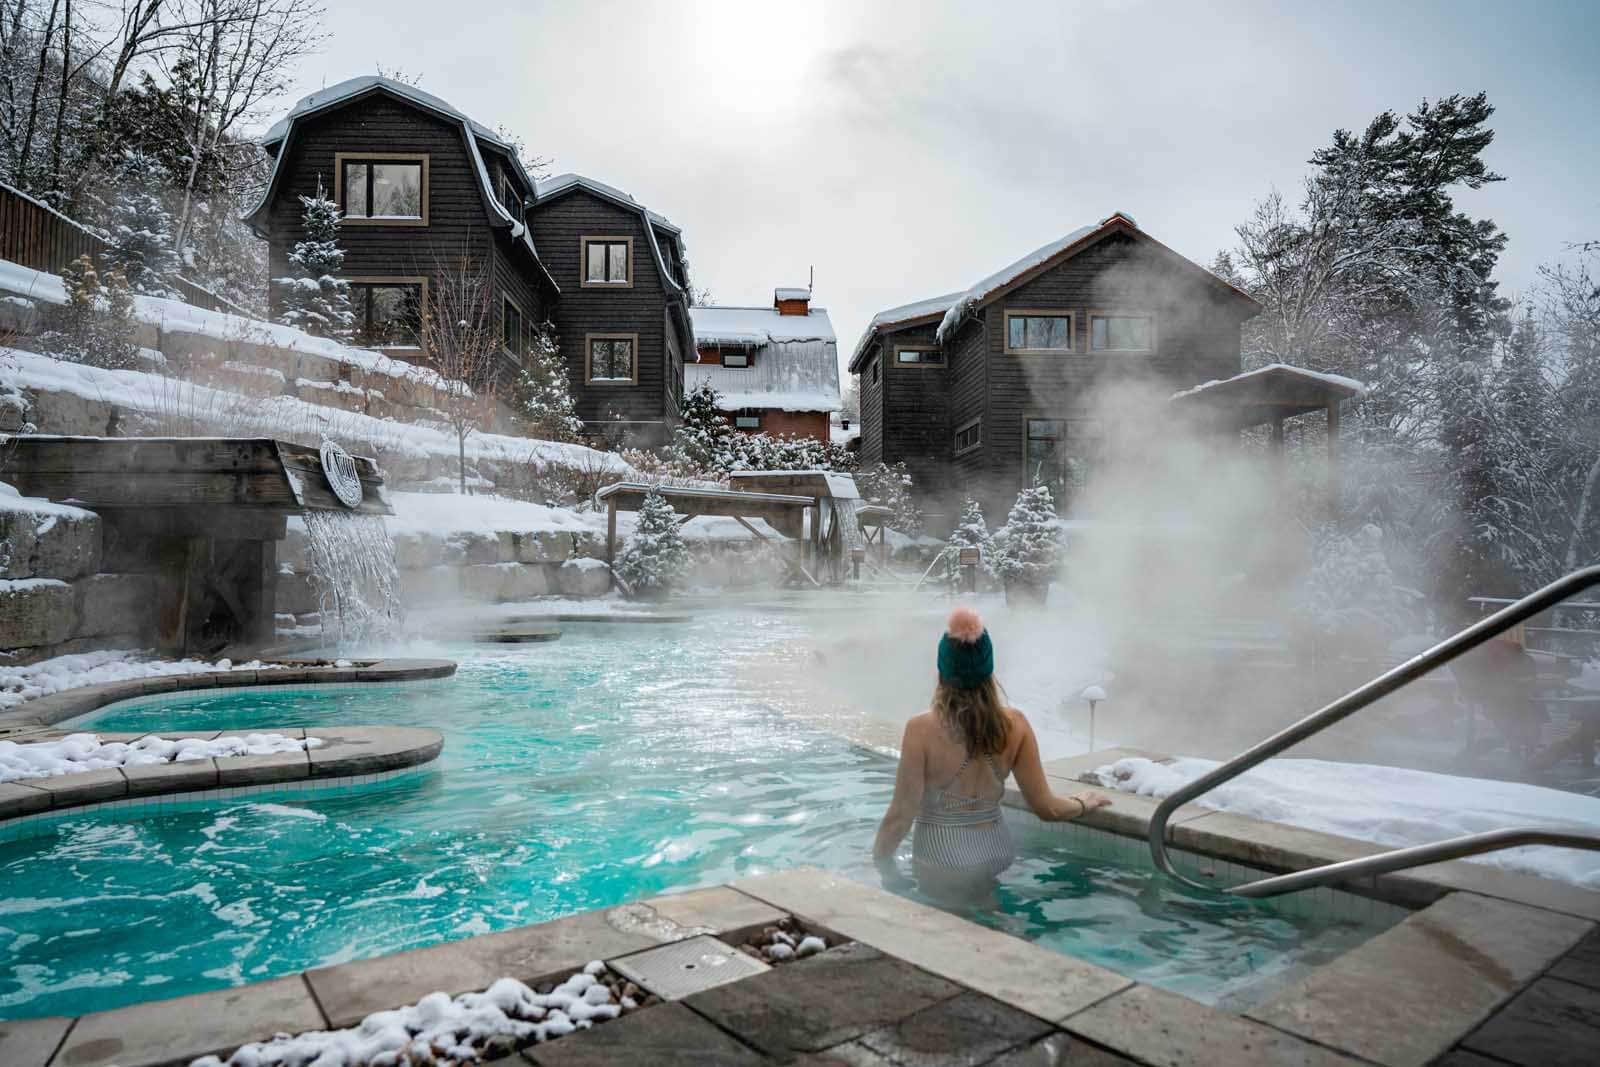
column 761, row 54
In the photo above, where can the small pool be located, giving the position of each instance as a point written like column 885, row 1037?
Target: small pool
column 621, row 762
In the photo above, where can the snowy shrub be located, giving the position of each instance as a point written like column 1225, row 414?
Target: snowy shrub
column 699, row 439
column 705, row 442
column 970, row 532
column 314, row 298
column 541, row 395
column 1026, row 550
column 655, row 558
column 95, row 325
column 889, row 485
column 1349, row 598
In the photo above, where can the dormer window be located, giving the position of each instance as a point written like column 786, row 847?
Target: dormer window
column 510, row 198
column 607, row 261
column 380, row 189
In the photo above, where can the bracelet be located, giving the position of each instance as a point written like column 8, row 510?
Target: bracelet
column 1083, row 809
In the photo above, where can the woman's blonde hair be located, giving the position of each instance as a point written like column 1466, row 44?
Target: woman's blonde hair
column 977, row 715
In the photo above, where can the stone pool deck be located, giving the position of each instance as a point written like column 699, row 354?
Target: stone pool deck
column 910, row 985
column 32, row 717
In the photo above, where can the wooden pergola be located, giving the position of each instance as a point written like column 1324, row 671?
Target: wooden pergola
column 1268, row 396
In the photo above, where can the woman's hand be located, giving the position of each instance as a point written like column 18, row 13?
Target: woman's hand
column 890, row 874
column 1091, row 801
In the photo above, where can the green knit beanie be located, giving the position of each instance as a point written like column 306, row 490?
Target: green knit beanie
column 966, row 664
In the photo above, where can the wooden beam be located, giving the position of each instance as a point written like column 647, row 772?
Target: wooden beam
column 742, row 521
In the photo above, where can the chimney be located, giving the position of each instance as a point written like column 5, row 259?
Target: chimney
column 792, row 301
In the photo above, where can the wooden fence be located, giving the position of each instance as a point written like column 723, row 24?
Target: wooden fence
column 37, row 236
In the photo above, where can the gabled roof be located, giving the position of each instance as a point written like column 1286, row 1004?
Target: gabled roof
column 904, row 315
column 352, row 89
column 550, row 188
column 794, row 365
column 1275, row 391
column 1063, row 248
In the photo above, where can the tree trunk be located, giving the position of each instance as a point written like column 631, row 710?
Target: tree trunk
column 61, row 106
column 461, row 459
column 1582, row 518
column 33, row 100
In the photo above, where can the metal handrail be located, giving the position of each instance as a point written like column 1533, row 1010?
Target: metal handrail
column 1348, row 705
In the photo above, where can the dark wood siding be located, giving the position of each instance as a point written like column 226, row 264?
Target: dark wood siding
column 969, row 399
column 916, row 405
column 871, row 451
column 458, row 219
column 558, row 226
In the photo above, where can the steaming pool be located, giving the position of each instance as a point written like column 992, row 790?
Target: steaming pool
column 623, row 761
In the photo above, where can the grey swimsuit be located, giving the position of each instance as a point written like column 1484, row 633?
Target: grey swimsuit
column 963, row 835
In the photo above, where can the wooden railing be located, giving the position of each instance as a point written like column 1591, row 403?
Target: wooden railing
column 38, row 236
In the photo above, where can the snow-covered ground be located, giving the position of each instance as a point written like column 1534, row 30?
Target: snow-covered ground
column 21, row 683
column 80, row 753
column 448, row 514
column 468, row 1028
column 1385, row 805
column 283, row 416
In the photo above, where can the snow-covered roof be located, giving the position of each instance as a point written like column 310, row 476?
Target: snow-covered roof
column 758, row 326
column 794, row 362
column 350, row 88
column 1008, row 274
column 547, row 187
column 791, row 294
column 1337, row 383
column 917, row 309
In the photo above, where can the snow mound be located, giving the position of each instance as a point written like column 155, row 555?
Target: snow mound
column 1385, row 805
column 80, row 753
column 440, row 1029
column 19, row 684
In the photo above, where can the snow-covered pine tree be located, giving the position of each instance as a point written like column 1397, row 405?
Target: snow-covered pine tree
column 970, row 532
column 655, row 558
column 890, row 485
column 1026, row 550
column 138, row 224
column 542, row 395
column 701, row 437
column 315, row 299
column 1349, row 599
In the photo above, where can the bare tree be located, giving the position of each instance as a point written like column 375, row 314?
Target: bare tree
column 461, row 331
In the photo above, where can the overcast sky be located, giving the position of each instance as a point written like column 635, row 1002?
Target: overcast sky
column 904, row 150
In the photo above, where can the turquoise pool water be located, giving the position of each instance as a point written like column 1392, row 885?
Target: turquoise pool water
column 620, row 762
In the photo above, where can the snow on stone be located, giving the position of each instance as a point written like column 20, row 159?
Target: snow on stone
column 468, row 1028
column 46, row 512
column 1385, row 805
column 444, row 514
column 1338, row 380
column 1007, row 274
column 21, row 683
column 285, row 416
column 81, row 753
column 175, row 315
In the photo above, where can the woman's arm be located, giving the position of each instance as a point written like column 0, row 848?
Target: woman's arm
column 909, row 781
column 1035, row 786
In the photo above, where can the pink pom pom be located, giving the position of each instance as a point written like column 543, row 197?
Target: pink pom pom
column 964, row 625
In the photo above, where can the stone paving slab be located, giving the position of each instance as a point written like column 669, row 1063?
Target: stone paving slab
column 258, row 770
column 85, row 787
column 1165, row 1029
column 718, row 910
column 155, row 778
column 1051, row 985
column 668, row 1034
column 964, row 1031
column 820, row 1001
column 1550, row 1024
column 1413, row 991
column 1437, row 879
column 351, row 991
column 352, row 750
column 1582, row 964
column 1128, row 814
column 160, row 1032
column 31, row 1042
column 1061, row 1050
column 1075, row 767
column 18, row 799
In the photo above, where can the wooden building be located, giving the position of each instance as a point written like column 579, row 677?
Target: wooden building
column 992, row 389
column 428, row 194
column 775, row 369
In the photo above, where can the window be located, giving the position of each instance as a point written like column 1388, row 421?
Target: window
column 511, row 329
column 735, row 359
column 510, row 198
column 1061, row 454
column 612, row 358
column 388, row 312
column 374, row 189
column 607, row 261
column 926, row 357
column 1035, row 331
column 1121, row 333
column 747, row 419
column 969, row 436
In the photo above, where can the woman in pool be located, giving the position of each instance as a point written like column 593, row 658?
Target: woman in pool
column 954, row 760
